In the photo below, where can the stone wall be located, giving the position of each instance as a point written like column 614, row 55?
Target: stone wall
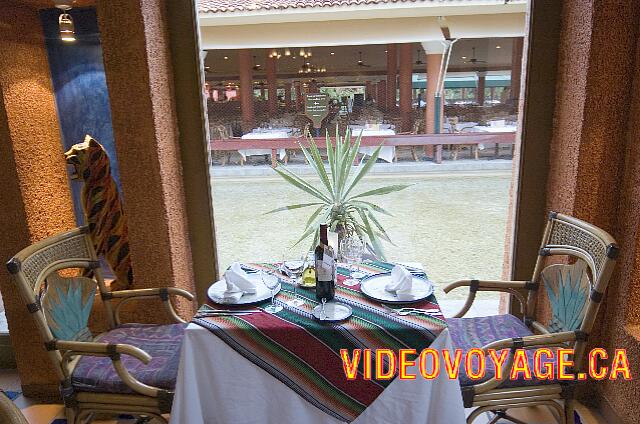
column 594, row 168
column 35, row 201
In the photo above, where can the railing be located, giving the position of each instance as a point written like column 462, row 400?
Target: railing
column 437, row 140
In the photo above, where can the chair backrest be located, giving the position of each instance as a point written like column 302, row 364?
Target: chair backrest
column 416, row 126
column 574, row 287
column 60, row 305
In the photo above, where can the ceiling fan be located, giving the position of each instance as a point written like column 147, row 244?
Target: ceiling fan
column 473, row 59
column 361, row 62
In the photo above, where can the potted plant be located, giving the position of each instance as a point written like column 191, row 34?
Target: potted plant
column 333, row 199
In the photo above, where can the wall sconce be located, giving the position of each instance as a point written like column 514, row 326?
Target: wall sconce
column 67, row 32
column 65, row 21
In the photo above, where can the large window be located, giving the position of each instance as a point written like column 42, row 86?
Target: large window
column 451, row 219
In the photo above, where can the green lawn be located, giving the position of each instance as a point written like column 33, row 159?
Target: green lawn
column 453, row 224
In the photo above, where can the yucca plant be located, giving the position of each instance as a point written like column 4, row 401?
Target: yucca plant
column 333, row 199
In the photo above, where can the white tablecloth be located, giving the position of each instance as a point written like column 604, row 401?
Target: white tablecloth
column 387, row 153
column 218, row 385
column 357, row 128
column 261, row 135
column 506, row 128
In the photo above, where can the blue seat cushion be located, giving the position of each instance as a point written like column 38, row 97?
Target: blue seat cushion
column 469, row 333
column 162, row 342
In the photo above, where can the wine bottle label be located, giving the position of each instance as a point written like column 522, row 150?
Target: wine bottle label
column 327, row 259
column 325, row 269
column 324, row 273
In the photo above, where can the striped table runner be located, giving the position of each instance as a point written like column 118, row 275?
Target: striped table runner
column 304, row 353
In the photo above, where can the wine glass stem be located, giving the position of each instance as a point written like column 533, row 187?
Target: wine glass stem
column 272, row 295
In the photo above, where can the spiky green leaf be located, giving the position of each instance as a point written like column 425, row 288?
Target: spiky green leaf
column 364, row 170
column 291, row 207
column 301, row 184
column 382, row 190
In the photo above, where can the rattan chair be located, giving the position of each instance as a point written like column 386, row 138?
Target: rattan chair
column 414, row 130
column 129, row 369
column 9, row 412
column 574, row 288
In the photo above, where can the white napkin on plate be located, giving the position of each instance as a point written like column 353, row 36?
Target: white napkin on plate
column 238, row 283
column 401, row 283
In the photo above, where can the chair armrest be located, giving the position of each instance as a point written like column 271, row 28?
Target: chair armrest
column 544, row 340
column 155, row 292
column 535, row 340
column 486, row 284
column 113, row 351
column 541, row 340
column 475, row 286
column 144, row 294
column 102, row 349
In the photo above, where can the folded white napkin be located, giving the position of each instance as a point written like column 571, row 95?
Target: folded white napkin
column 238, row 283
column 229, row 297
column 401, row 283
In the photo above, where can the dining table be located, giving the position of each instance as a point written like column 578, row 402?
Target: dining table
column 387, row 153
column 263, row 134
column 504, row 128
column 286, row 367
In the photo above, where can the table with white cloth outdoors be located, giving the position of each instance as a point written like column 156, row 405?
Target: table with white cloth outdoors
column 286, row 367
column 261, row 134
column 387, row 153
column 499, row 128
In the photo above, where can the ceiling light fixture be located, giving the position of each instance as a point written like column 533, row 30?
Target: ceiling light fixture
column 333, row 53
column 498, row 46
column 302, row 53
column 226, row 58
column 65, row 21
column 463, row 57
column 287, row 52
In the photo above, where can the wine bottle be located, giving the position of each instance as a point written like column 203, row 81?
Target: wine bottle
column 325, row 267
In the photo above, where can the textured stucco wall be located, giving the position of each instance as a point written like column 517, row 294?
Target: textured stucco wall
column 139, row 77
column 35, row 201
column 622, row 323
column 594, row 170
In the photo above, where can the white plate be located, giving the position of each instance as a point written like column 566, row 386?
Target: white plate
column 216, row 290
column 333, row 311
column 293, row 265
column 374, row 288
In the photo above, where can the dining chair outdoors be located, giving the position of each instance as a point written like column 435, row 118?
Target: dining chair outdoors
column 131, row 368
column 574, row 283
column 222, row 132
column 414, row 130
